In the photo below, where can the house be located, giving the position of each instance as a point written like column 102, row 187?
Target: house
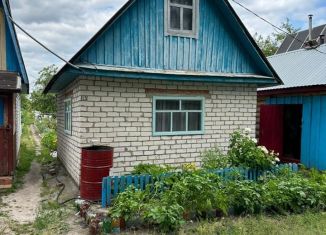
column 13, row 82
column 292, row 116
column 161, row 82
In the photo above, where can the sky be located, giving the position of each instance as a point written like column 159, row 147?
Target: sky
column 66, row 25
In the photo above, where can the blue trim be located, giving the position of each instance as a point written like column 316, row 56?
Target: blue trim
column 72, row 74
column 14, row 40
column 69, row 102
column 180, row 98
column 2, row 111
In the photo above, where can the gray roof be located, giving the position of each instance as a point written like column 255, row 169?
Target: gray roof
column 300, row 68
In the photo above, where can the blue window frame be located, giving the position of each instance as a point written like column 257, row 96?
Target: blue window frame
column 178, row 115
column 68, row 116
column 2, row 111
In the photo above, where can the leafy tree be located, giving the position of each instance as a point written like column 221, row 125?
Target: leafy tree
column 270, row 43
column 45, row 104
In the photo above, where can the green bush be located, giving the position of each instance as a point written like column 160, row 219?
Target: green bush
column 244, row 197
column 152, row 169
column 244, row 152
column 49, row 140
column 128, row 204
column 215, row 159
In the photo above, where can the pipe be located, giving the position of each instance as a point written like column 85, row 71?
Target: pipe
column 321, row 39
column 310, row 27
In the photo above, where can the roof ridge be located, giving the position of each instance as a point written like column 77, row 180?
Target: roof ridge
column 295, row 51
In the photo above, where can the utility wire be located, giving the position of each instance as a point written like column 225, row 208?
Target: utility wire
column 41, row 44
column 273, row 25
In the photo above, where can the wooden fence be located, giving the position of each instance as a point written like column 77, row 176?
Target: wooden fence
column 113, row 185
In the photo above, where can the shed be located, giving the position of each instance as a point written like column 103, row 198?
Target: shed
column 293, row 115
column 161, row 82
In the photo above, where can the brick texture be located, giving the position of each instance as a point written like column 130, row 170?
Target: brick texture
column 118, row 113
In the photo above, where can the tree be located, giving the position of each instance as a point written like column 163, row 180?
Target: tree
column 271, row 43
column 45, row 104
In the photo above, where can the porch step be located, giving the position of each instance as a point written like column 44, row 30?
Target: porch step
column 5, row 182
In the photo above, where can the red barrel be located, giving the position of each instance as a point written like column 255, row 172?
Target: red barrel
column 96, row 163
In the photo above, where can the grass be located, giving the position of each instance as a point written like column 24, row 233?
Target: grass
column 307, row 223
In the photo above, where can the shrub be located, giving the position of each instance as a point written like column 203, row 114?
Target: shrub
column 166, row 214
column 244, row 197
column 198, row 192
column 293, row 194
column 151, row 169
column 128, row 204
column 244, row 152
column 49, row 140
column 215, row 159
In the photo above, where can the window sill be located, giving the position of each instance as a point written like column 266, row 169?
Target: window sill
column 68, row 133
column 178, row 133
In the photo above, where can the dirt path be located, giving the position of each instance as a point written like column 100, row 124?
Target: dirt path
column 22, row 205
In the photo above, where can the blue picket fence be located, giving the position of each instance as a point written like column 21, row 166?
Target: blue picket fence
column 113, row 185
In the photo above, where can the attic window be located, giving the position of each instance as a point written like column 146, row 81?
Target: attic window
column 181, row 17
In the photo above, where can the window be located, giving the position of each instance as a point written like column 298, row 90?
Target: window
column 68, row 120
column 178, row 116
column 181, row 17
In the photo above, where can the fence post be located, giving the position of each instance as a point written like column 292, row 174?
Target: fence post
column 104, row 199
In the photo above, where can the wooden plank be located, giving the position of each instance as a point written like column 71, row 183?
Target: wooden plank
column 104, row 192
column 109, row 191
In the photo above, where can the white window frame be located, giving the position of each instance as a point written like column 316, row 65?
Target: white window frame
column 195, row 20
column 179, row 133
column 68, row 116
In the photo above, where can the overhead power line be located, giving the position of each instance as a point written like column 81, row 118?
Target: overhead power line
column 273, row 25
column 41, row 44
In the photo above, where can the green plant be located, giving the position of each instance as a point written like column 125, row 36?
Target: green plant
column 165, row 214
column 215, row 159
column 244, row 197
column 49, row 140
column 244, row 152
column 152, row 169
column 128, row 204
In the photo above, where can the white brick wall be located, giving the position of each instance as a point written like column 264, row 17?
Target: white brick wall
column 118, row 113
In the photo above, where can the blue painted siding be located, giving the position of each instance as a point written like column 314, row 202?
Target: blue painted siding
column 12, row 60
column 313, row 147
column 137, row 40
column 1, row 112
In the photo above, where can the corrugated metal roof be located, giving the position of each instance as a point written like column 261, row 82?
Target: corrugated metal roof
column 300, row 68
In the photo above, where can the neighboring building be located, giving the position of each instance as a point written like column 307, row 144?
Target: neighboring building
column 293, row 115
column 13, row 82
column 161, row 82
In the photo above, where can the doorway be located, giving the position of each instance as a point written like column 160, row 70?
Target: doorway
column 281, row 130
column 6, row 136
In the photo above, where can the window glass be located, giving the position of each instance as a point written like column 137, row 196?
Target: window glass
column 194, row 121
column 183, row 2
column 191, row 105
column 175, row 18
column 67, row 116
column 187, row 19
column 163, row 122
column 181, row 17
column 178, row 116
column 167, row 105
column 179, row 122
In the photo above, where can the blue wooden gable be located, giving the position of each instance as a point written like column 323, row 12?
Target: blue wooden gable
column 133, row 44
column 14, row 59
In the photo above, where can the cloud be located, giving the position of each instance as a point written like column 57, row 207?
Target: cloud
column 65, row 25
